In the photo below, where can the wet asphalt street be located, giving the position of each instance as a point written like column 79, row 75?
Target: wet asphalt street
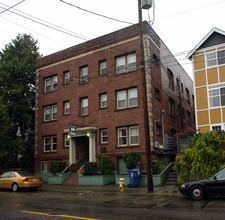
column 96, row 204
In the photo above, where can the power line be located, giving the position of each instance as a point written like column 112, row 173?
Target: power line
column 194, row 9
column 46, row 25
column 34, row 32
column 48, row 22
column 7, row 9
column 114, row 19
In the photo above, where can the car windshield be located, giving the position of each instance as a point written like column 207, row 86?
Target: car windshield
column 221, row 174
column 24, row 173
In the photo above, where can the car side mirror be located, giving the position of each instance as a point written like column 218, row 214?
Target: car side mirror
column 214, row 177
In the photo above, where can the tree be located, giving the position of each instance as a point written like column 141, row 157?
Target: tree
column 205, row 156
column 17, row 97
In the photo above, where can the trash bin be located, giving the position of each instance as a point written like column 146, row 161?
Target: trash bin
column 134, row 176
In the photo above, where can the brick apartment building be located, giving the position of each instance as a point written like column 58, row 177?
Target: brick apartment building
column 97, row 88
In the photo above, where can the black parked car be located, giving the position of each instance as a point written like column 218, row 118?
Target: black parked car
column 214, row 186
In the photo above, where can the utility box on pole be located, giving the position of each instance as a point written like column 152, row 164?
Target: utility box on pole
column 146, row 4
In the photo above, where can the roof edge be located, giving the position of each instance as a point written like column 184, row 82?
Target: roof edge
column 214, row 29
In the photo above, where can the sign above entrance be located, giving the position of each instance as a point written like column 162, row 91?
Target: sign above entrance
column 73, row 130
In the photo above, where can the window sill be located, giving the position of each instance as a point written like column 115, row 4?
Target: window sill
column 49, row 121
column 66, row 114
column 128, row 108
column 126, row 72
column 128, row 146
column 50, row 91
column 47, row 152
column 102, row 108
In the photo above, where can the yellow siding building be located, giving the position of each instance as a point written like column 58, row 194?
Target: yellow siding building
column 208, row 59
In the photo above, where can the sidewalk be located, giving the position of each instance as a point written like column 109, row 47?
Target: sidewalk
column 111, row 189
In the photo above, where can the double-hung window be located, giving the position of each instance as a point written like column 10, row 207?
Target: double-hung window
column 103, row 100
column 51, row 84
column 66, row 77
column 66, row 140
column 50, row 144
column 217, row 95
column 128, row 136
column 50, row 113
column 215, row 58
column 44, row 166
column 84, row 74
column 84, row 106
column 104, row 136
column 126, row 63
column 66, row 108
column 102, row 67
column 127, row 98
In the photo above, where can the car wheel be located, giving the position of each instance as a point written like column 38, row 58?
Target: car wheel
column 15, row 187
column 197, row 193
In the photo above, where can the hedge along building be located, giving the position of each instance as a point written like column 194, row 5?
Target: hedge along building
column 208, row 58
column 97, row 87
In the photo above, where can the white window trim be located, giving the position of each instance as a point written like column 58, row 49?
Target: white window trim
column 65, row 108
column 101, row 100
column 221, row 125
column 82, row 106
column 102, row 67
column 127, row 98
column 118, row 134
column 133, row 135
column 66, row 77
column 52, row 137
column 49, row 144
column 102, row 136
column 125, row 66
column 47, row 107
column 119, row 92
column 51, row 79
column 214, row 87
column 128, row 136
column 216, row 59
column 44, row 164
column 84, row 74
column 65, row 137
column 53, row 106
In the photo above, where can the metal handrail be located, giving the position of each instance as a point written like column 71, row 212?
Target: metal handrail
column 67, row 168
column 80, row 168
column 76, row 163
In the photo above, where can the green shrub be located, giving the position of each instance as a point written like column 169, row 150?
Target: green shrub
column 90, row 168
column 57, row 166
column 158, row 166
column 131, row 159
column 106, row 165
column 205, row 156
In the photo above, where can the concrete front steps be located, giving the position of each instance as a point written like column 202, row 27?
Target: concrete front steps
column 171, row 178
column 72, row 180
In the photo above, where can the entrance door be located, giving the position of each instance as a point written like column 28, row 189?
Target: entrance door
column 82, row 150
column 122, row 166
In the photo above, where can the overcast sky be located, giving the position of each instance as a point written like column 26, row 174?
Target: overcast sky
column 181, row 24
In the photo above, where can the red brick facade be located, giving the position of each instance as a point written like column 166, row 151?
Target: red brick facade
column 50, row 134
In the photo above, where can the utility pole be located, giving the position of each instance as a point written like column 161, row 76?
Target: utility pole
column 146, row 116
